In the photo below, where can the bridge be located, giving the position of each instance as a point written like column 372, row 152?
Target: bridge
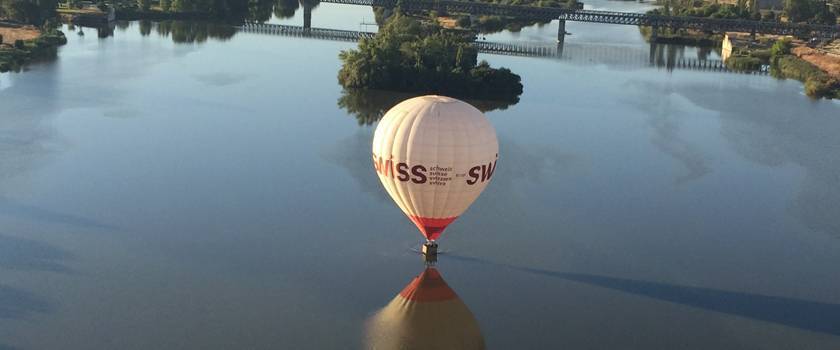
column 627, row 57
column 610, row 17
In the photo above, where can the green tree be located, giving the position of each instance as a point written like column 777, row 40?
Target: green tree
column 285, row 8
column 408, row 56
column 145, row 27
column 780, row 48
column 22, row 10
column 144, row 5
column 799, row 10
column 824, row 15
column 260, row 10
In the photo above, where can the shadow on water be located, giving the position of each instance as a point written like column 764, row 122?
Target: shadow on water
column 802, row 314
column 15, row 209
column 368, row 106
column 25, row 254
column 17, row 304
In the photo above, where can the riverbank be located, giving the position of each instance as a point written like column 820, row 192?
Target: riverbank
column 787, row 59
column 818, row 84
column 487, row 24
column 826, row 56
column 25, row 44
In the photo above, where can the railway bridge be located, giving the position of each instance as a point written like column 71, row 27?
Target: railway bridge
column 627, row 57
column 609, row 17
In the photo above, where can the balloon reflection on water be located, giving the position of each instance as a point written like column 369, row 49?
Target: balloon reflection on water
column 426, row 314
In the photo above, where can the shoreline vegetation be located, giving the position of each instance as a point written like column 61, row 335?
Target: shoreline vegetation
column 19, row 52
column 793, row 11
column 484, row 24
column 409, row 56
column 784, row 64
column 773, row 54
column 232, row 11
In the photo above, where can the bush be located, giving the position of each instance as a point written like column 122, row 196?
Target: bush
column 464, row 21
column 19, row 44
column 780, row 48
column 817, row 83
column 763, row 55
column 744, row 63
column 819, row 88
column 1, row 39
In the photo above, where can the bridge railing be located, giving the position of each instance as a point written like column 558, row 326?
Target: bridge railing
column 620, row 56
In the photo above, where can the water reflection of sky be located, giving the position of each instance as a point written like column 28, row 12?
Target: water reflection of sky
column 214, row 195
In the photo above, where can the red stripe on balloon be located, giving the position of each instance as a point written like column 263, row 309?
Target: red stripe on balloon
column 431, row 227
column 428, row 287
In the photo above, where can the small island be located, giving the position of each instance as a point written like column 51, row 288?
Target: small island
column 28, row 32
column 21, row 44
column 409, row 56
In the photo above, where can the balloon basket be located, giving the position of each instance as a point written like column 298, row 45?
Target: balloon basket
column 430, row 251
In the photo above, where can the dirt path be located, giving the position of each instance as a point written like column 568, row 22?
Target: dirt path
column 23, row 33
column 826, row 57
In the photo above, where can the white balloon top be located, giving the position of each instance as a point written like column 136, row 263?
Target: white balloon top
column 434, row 155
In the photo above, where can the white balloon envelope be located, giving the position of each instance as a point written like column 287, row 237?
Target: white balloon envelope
column 434, row 155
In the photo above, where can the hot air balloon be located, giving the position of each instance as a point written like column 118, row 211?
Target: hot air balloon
column 434, row 155
column 426, row 315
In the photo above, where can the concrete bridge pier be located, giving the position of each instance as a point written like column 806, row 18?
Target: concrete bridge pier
column 561, row 30
column 652, row 54
column 307, row 17
column 560, row 43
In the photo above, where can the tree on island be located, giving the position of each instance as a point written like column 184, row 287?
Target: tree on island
column 410, row 56
column 369, row 106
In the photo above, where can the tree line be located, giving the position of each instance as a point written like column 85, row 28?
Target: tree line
column 809, row 11
column 28, row 11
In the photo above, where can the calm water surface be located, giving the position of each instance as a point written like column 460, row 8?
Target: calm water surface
column 212, row 193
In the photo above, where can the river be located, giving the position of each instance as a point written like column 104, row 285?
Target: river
column 183, row 185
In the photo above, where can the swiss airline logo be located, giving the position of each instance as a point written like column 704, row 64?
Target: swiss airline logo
column 436, row 175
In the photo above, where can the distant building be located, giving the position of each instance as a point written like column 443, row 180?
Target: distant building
column 732, row 42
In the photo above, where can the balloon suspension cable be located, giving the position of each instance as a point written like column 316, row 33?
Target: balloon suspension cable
column 430, row 252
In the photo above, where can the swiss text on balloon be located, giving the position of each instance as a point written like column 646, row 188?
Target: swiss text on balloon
column 419, row 174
